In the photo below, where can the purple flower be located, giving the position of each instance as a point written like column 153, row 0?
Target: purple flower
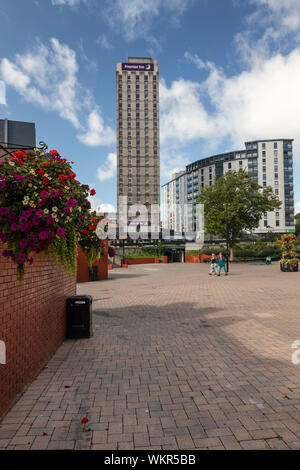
column 32, row 237
column 2, row 184
column 28, row 226
column 23, row 227
column 49, row 220
column 3, row 237
column 67, row 211
column 70, row 203
column 30, row 261
column 53, row 194
column 27, row 213
column 21, row 258
column 60, row 231
column 12, row 216
column 20, row 178
column 5, row 253
column 13, row 227
column 60, row 192
column 43, row 194
column 3, row 211
column 35, row 221
column 22, row 243
column 22, row 219
column 39, row 213
column 43, row 235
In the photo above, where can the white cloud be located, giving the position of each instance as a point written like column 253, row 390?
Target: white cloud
column 47, row 76
column 136, row 16
column 262, row 102
column 172, row 162
column 286, row 13
column 2, row 92
column 183, row 116
column 108, row 170
column 297, row 207
column 97, row 133
column 70, row 3
column 97, row 205
column 104, row 42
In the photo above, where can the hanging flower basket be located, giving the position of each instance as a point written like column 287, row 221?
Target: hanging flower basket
column 42, row 208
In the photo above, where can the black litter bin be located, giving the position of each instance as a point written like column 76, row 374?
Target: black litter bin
column 79, row 316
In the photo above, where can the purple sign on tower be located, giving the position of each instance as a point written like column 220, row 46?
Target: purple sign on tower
column 137, row 67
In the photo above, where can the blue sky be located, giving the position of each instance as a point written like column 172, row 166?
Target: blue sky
column 229, row 72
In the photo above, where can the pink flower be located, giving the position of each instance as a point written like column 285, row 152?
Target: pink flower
column 60, row 231
column 13, row 227
column 21, row 258
column 3, row 211
column 22, row 243
column 39, row 213
column 43, row 235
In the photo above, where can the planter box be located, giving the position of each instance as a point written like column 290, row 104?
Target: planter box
column 192, row 259
column 83, row 271
column 131, row 261
column 289, row 268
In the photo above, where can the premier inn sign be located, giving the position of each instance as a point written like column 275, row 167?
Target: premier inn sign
column 138, row 67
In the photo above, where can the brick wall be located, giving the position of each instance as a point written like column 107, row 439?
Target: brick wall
column 32, row 321
column 130, row 261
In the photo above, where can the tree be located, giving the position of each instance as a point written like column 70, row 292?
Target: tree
column 235, row 197
column 297, row 226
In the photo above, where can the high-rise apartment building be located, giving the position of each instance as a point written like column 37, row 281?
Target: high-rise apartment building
column 269, row 162
column 138, row 143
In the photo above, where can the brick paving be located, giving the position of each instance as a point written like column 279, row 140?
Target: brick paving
column 178, row 360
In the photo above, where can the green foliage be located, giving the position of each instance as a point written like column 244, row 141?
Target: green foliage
column 238, row 199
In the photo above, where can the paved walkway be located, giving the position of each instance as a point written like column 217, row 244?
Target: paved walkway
column 178, row 360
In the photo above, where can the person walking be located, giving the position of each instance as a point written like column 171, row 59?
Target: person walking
column 213, row 265
column 221, row 264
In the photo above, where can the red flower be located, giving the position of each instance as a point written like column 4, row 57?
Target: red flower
column 84, row 420
column 45, row 181
column 93, row 192
column 19, row 153
column 45, row 434
column 72, row 176
column 45, row 164
column 54, row 152
column 84, row 231
column 41, row 172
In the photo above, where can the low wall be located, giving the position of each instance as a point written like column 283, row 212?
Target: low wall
column 83, row 268
column 131, row 261
column 32, row 321
column 192, row 259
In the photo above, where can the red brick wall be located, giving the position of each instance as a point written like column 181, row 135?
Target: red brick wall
column 141, row 260
column 32, row 321
column 192, row 259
